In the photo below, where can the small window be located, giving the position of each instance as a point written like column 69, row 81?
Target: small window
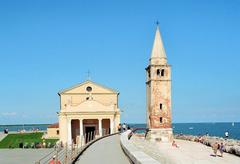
column 160, row 119
column 89, row 89
column 149, row 74
column 160, row 106
column 158, row 72
column 162, row 72
column 87, row 98
column 57, row 132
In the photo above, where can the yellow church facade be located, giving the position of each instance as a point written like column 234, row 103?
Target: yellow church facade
column 87, row 108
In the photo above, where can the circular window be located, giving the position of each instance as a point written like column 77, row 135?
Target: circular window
column 89, row 89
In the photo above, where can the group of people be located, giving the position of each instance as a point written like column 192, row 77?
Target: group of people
column 123, row 127
column 216, row 146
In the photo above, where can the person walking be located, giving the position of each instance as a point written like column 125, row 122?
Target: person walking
column 215, row 148
column 221, row 149
column 124, row 127
column 119, row 128
column 226, row 134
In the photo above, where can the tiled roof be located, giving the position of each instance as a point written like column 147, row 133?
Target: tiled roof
column 55, row 125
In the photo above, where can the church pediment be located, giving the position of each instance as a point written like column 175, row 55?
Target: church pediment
column 88, row 87
column 90, row 106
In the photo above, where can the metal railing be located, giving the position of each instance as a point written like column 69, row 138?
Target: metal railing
column 145, row 130
column 68, row 153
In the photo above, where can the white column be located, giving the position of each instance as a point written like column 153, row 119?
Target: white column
column 112, row 125
column 69, row 133
column 81, row 136
column 81, row 127
column 100, row 127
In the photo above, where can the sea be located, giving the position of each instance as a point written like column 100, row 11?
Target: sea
column 212, row 129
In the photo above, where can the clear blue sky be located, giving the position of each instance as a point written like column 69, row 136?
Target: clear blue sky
column 46, row 46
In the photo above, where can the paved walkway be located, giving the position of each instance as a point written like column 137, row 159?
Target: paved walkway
column 26, row 156
column 187, row 153
column 106, row 150
column 2, row 136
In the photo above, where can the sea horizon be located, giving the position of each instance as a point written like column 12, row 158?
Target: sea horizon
column 123, row 122
column 204, row 128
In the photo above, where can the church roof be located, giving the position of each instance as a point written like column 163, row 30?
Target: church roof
column 55, row 125
column 88, row 82
column 158, row 48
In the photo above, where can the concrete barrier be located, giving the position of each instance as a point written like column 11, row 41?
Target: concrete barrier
column 135, row 155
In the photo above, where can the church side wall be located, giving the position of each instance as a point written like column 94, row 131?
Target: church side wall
column 63, row 129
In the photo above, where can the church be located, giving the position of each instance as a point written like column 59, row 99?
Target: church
column 85, row 108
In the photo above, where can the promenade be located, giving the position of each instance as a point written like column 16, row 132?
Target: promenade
column 187, row 153
column 106, row 150
column 26, row 156
column 2, row 136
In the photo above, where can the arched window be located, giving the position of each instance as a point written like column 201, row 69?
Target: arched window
column 160, row 119
column 160, row 106
column 158, row 72
column 162, row 72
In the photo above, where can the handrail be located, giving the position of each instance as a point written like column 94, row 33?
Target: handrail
column 136, row 129
column 71, row 153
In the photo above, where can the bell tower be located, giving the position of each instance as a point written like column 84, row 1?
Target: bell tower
column 158, row 86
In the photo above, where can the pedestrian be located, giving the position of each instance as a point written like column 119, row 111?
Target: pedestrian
column 119, row 127
column 215, row 148
column 6, row 131
column 174, row 144
column 124, row 127
column 221, row 149
column 54, row 160
column 226, row 134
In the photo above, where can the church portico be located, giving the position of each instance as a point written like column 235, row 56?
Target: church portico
column 84, row 116
column 78, row 128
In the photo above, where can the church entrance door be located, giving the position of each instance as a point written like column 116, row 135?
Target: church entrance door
column 90, row 132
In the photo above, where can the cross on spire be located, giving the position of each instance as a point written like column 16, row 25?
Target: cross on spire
column 158, row 51
column 88, row 75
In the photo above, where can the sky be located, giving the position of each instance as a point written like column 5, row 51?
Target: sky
column 47, row 46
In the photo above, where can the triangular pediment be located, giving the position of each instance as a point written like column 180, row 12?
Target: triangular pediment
column 90, row 106
column 82, row 89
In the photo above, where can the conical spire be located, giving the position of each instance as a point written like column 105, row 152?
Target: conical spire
column 158, row 52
